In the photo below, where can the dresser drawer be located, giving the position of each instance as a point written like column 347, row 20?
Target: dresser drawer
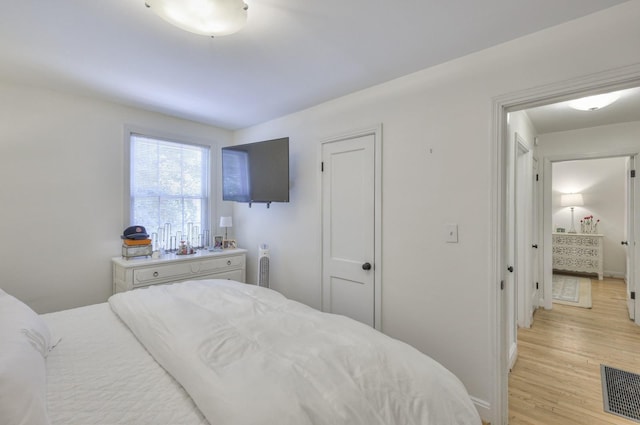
column 236, row 275
column 215, row 264
column 146, row 276
column 185, row 270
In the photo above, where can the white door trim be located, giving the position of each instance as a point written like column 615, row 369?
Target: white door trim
column 631, row 230
column 376, row 131
column 616, row 79
column 523, row 229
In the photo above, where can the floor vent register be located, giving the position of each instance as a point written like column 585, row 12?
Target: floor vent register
column 621, row 392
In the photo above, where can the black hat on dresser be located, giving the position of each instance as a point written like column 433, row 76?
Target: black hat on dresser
column 135, row 232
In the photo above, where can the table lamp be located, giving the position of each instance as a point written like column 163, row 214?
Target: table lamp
column 226, row 222
column 571, row 200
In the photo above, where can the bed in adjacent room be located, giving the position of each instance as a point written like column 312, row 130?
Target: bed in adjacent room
column 214, row 352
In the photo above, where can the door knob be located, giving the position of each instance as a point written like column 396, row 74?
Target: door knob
column 624, row 243
column 366, row 266
column 510, row 268
column 534, row 246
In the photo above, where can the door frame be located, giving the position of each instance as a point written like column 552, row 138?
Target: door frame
column 376, row 132
column 612, row 80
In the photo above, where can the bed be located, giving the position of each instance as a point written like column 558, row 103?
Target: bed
column 214, row 352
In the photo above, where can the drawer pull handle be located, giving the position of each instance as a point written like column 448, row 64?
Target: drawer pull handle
column 155, row 274
column 228, row 262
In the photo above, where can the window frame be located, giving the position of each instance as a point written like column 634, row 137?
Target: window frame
column 212, row 206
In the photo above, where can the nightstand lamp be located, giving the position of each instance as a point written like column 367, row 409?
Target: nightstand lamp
column 226, row 222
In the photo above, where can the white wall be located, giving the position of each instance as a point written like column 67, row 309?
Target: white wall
column 436, row 169
column 62, row 191
column 601, row 181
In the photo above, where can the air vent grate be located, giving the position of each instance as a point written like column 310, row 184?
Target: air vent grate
column 621, row 392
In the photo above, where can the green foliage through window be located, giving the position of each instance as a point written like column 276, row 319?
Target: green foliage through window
column 170, row 184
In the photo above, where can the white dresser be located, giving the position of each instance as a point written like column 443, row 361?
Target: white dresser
column 139, row 272
column 578, row 252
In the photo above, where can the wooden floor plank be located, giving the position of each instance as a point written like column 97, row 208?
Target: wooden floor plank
column 556, row 379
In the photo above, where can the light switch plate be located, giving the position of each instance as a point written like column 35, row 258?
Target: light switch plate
column 451, row 233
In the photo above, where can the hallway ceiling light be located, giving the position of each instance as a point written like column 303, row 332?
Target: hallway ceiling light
column 593, row 103
column 205, row 17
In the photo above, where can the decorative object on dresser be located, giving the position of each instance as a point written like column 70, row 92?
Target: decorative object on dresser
column 136, row 242
column 217, row 243
column 571, row 200
column 141, row 272
column 576, row 252
column 589, row 225
column 229, row 244
column 185, row 248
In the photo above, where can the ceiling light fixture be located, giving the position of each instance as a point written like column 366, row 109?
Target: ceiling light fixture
column 593, row 103
column 205, row 17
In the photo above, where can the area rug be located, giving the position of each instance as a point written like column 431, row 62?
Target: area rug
column 572, row 290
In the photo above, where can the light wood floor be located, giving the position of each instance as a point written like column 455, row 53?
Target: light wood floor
column 556, row 379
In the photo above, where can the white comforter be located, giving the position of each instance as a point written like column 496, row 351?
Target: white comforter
column 248, row 355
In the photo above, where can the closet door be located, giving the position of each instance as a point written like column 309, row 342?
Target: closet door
column 348, row 228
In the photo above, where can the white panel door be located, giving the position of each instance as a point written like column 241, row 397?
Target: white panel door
column 535, row 232
column 630, row 238
column 348, row 226
column 510, row 300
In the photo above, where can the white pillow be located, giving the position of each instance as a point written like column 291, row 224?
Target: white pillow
column 24, row 343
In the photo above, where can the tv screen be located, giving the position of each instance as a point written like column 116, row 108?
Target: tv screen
column 256, row 172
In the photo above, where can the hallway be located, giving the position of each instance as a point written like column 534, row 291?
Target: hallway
column 556, row 379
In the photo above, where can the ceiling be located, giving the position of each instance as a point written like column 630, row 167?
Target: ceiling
column 561, row 117
column 292, row 54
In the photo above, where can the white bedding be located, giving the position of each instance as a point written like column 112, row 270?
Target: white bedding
column 100, row 374
column 247, row 355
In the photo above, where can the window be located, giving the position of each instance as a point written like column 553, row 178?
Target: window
column 169, row 188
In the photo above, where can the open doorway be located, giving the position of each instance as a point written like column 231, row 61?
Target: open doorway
column 588, row 211
column 581, row 146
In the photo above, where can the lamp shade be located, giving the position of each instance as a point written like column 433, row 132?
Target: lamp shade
column 226, row 222
column 571, row 200
column 205, row 17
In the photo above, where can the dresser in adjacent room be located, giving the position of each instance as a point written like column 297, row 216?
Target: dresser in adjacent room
column 578, row 252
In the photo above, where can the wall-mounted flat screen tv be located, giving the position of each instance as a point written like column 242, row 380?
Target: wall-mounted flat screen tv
column 256, row 172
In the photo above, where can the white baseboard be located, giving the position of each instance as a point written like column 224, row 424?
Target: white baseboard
column 483, row 407
column 615, row 275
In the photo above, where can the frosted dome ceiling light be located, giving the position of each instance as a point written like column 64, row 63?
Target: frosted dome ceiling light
column 205, row 17
column 593, row 103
